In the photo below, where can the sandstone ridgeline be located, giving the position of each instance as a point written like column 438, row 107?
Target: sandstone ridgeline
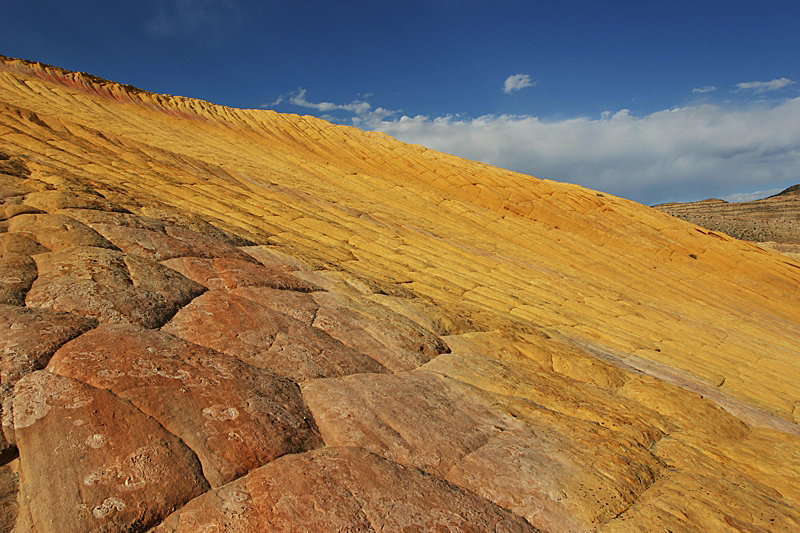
column 234, row 320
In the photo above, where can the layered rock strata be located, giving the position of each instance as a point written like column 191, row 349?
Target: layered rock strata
column 775, row 219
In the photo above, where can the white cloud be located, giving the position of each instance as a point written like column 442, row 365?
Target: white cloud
column 706, row 89
column 750, row 196
column 762, row 86
column 687, row 153
column 517, row 82
column 363, row 111
column 679, row 154
column 356, row 106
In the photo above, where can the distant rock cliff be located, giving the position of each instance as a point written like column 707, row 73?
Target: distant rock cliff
column 215, row 319
column 774, row 219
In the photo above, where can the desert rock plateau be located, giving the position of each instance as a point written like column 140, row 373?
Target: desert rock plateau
column 216, row 319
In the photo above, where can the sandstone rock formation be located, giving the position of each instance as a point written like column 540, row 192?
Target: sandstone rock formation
column 215, row 319
column 773, row 219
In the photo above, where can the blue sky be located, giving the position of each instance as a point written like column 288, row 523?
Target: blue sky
column 653, row 101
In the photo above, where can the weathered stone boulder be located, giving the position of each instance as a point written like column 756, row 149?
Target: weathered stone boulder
column 9, row 485
column 99, row 219
column 297, row 305
column 110, row 286
column 152, row 245
column 52, row 201
column 12, row 205
column 397, row 342
column 29, row 337
column 12, row 186
column 153, row 238
column 233, row 416
column 540, row 464
column 265, row 338
column 207, row 246
column 17, row 273
column 15, row 243
column 341, row 489
column 91, row 462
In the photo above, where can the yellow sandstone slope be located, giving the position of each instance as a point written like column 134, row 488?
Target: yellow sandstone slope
column 610, row 331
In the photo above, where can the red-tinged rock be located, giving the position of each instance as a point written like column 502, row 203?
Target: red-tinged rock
column 235, row 417
column 90, row 462
column 110, row 286
column 341, row 489
column 411, row 418
column 266, row 339
column 155, row 239
column 150, row 244
column 184, row 219
column 540, row 464
column 29, row 337
column 228, row 509
column 225, row 274
column 57, row 232
column 392, row 339
column 297, row 305
column 205, row 246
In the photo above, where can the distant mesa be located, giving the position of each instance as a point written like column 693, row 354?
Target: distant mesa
column 790, row 191
column 773, row 219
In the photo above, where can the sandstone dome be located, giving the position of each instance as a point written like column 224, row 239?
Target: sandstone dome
column 218, row 319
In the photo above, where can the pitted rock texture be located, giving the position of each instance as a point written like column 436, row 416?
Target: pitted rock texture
column 17, row 267
column 29, row 337
column 342, row 489
column 17, row 274
column 118, row 469
column 233, row 416
column 109, row 286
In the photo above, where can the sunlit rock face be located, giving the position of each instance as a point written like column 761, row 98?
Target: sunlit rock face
column 215, row 319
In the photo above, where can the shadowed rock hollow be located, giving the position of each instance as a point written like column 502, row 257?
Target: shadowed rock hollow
column 215, row 319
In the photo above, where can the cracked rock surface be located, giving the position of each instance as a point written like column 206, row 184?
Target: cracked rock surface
column 225, row 320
